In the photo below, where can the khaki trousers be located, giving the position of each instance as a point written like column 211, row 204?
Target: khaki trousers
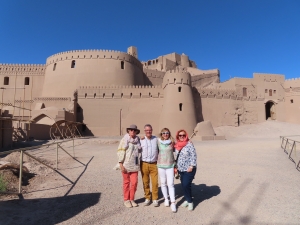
column 149, row 170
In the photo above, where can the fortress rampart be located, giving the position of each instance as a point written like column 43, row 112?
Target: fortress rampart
column 118, row 92
column 22, row 69
column 90, row 68
column 94, row 54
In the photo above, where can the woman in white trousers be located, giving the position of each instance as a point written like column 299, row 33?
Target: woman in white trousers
column 165, row 164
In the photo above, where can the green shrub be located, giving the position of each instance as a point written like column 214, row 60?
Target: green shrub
column 2, row 184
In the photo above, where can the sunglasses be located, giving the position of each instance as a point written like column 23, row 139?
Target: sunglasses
column 181, row 135
column 165, row 133
column 131, row 129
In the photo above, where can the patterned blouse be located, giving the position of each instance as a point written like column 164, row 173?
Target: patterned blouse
column 165, row 157
column 187, row 157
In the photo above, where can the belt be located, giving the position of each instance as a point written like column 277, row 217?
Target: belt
column 149, row 162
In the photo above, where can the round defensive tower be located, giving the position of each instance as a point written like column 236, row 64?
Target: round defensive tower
column 66, row 71
column 178, row 109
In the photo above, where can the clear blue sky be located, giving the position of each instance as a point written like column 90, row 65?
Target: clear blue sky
column 238, row 37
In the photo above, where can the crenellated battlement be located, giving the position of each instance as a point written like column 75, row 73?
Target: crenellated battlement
column 234, row 94
column 118, row 92
column 22, row 69
column 93, row 54
column 292, row 84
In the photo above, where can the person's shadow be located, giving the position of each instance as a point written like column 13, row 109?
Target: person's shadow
column 200, row 193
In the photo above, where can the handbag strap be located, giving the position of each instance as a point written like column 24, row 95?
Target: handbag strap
column 177, row 156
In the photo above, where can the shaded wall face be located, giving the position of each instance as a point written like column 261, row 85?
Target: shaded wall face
column 63, row 80
column 5, row 133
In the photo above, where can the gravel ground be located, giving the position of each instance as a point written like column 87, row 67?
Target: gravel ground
column 246, row 179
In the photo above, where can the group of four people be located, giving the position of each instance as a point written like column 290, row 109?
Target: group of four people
column 156, row 157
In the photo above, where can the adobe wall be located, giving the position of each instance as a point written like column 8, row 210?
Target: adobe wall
column 292, row 100
column 155, row 77
column 91, row 67
column 169, row 62
column 20, row 84
column 108, row 110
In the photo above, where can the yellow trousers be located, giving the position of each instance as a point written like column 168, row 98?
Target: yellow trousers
column 149, row 170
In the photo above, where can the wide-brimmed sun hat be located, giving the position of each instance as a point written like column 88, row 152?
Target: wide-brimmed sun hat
column 133, row 127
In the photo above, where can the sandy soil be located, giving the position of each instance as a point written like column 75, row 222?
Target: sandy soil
column 246, row 179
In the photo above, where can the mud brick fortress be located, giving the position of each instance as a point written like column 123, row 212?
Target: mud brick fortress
column 108, row 90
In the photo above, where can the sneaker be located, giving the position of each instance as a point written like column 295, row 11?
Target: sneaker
column 167, row 203
column 147, row 202
column 127, row 204
column 133, row 203
column 184, row 204
column 173, row 207
column 155, row 203
column 191, row 207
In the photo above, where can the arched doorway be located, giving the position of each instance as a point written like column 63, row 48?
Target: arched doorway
column 270, row 110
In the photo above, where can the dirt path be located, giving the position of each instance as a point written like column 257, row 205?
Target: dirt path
column 247, row 179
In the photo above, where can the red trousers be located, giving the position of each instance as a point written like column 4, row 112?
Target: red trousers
column 130, row 181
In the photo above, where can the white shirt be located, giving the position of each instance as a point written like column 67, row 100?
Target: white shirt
column 149, row 149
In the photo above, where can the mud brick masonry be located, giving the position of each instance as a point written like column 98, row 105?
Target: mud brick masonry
column 109, row 90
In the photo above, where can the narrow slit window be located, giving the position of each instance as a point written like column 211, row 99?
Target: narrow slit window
column 270, row 92
column 179, row 89
column 180, row 106
column 27, row 80
column 6, row 80
column 292, row 101
column 54, row 67
column 73, row 63
column 266, row 90
column 94, row 95
column 122, row 65
column 245, row 92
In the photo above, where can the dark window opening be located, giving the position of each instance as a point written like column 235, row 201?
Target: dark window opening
column 103, row 95
column 245, row 92
column 292, row 101
column 266, row 90
column 180, row 106
column 270, row 92
column 140, row 95
column 122, row 65
column 94, row 95
column 274, row 91
column 6, row 80
column 26, row 80
column 113, row 94
column 130, row 95
column 179, row 89
column 85, row 95
column 121, row 95
column 73, row 64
